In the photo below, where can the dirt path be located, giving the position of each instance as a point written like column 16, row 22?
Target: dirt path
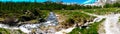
column 110, row 24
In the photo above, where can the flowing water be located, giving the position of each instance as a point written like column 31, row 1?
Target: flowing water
column 51, row 21
column 27, row 28
column 110, row 25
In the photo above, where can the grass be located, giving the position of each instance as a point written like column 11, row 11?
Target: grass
column 74, row 15
column 7, row 31
column 100, row 11
column 93, row 28
column 103, row 11
column 79, row 17
column 4, row 31
column 1, row 19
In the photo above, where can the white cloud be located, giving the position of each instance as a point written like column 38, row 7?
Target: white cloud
column 87, row 1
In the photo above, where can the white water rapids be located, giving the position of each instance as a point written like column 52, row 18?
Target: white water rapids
column 110, row 25
column 28, row 28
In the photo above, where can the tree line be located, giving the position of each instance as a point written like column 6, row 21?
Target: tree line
column 48, row 6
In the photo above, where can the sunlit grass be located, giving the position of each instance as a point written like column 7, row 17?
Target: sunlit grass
column 93, row 28
column 7, row 31
column 75, row 15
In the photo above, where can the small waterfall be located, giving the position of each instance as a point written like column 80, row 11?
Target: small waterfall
column 27, row 28
column 110, row 24
column 51, row 20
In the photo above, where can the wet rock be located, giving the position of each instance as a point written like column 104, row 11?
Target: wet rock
column 84, row 21
column 41, row 20
column 84, row 26
column 11, row 21
column 25, row 18
column 29, row 15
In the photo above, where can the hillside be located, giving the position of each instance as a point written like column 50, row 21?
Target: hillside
column 56, row 18
column 78, row 17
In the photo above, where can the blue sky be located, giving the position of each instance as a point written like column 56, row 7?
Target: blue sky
column 65, row 1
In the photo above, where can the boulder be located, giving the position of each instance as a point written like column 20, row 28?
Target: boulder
column 10, row 21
